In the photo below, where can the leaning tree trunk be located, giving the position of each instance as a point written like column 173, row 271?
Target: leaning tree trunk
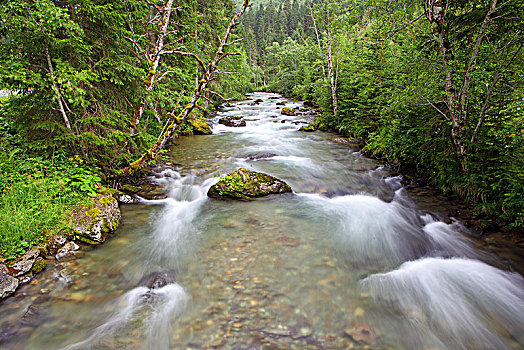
column 56, row 90
column 153, row 60
column 206, row 77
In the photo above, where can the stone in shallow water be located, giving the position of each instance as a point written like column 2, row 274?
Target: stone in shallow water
column 361, row 333
column 68, row 250
column 261, row 156
column 24, row 264
column 232, row 122
column 286, row 241
column 158, row 280
column 245, row 184
column 8, row 284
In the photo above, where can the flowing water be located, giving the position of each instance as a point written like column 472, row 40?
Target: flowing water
column 349, row 260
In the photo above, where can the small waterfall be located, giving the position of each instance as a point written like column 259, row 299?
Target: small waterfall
column 173, row 231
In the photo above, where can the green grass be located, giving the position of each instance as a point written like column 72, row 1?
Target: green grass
column 35, row 196
column 30, row 209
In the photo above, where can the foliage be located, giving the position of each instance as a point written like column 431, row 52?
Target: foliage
column 35, row 193
column 393, row 93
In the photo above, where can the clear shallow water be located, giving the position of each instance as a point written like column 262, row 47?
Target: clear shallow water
column 348, row 250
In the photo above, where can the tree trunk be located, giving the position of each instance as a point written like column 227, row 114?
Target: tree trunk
column 331, row 70
column 153, row 61
column 55, row 89
column 200, row 90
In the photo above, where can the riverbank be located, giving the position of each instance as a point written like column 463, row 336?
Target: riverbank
column 257, row 273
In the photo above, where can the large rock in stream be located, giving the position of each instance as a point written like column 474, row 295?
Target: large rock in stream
column 245, row 184
column 93, row 224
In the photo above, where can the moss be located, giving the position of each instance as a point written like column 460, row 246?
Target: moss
column 93, row 213
column 244, row 184
column 200, row 127
column 39, row 265
column 307, row 128
column 288, row 110
column 86, row 240
column 110, row 191
column 130, row 188
column 116, row 223
column 106, row 200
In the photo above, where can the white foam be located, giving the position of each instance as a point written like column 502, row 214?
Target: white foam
column 463, row 303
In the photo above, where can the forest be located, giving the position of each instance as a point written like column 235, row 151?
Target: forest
column 261, row 174
column 93, row 90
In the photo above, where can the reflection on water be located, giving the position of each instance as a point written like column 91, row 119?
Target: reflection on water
column 347, row 261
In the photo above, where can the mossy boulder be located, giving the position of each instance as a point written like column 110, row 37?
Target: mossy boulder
column 39, row 265
column 200, row 127
column 315, row 125
column 245, row 184
column 93, row 224
column 307, row 128
column 289, row 111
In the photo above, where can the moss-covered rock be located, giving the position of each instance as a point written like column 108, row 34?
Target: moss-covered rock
column 200, row 127
column 39, row 265
column 289, row 111
column 317, row 124
column 245, row 184
column 307, row 128
column 93, row 224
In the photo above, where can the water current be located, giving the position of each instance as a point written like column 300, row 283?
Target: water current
column 349, row 260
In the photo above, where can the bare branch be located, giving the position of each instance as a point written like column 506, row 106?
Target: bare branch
column 209, row 70
column 432, row 104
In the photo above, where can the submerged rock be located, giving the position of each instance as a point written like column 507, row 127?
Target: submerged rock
column 261, row 156
column 8, row 284
column 232, row 122
column 361, row 333
column 158, row 279
column 246, row 184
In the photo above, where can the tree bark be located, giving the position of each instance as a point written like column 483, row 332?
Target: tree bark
column 319, row 43
column 199, row 93
column 153, row 61
column 55, row 89
column 331, row 71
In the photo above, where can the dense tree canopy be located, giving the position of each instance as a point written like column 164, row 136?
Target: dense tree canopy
column 433, row 86
column 82, row 70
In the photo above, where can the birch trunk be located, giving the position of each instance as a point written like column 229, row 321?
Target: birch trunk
column 200, row 90
column 55, row 89
column 154, row 61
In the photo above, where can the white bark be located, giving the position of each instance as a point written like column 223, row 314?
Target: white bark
column 56, row 90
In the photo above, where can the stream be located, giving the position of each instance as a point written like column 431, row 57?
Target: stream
column 349, row 260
